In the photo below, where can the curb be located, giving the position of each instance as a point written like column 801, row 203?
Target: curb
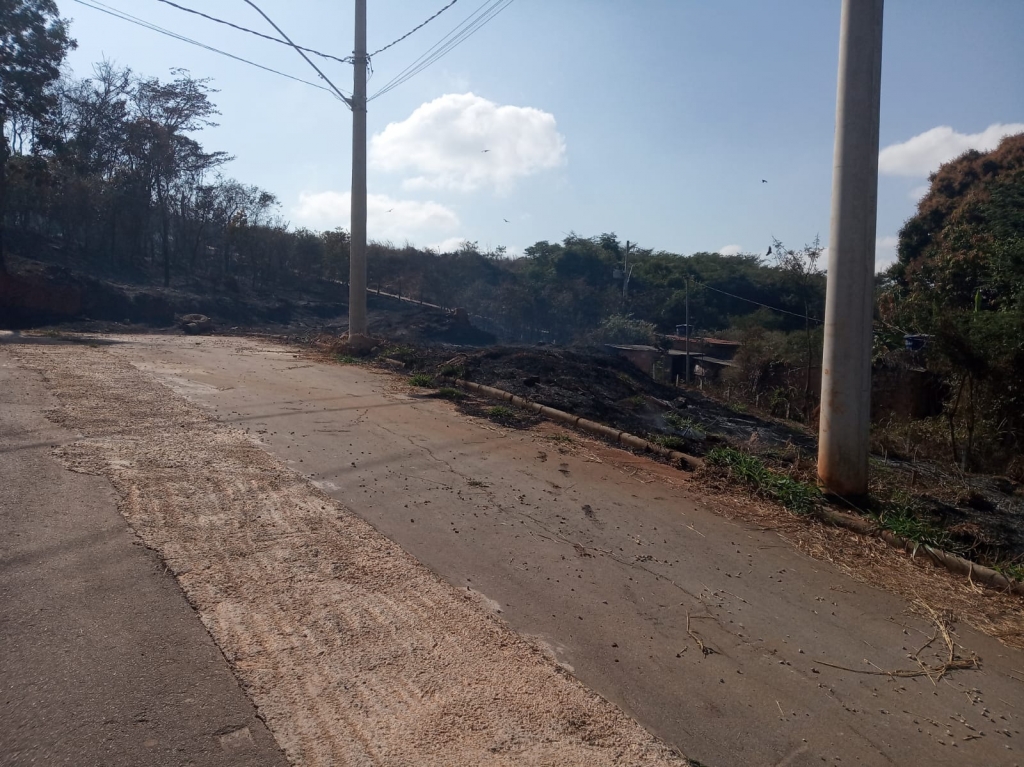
column 939, row 558
column 617, row 436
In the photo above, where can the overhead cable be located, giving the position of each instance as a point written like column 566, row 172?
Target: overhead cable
column 345, row 60
column 466, row 29
column 410, row 32
column 298, row 50
column 758, row 303
column 102, row 8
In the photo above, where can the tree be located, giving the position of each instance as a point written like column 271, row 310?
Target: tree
column 33, row 43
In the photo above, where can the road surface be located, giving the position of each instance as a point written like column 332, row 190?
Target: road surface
column 719, row 638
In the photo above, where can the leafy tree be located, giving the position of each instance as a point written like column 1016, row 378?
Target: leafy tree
column 33, row 43
column 960, row 279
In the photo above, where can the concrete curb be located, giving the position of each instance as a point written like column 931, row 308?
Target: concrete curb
column 591, row 427
column 953, row 563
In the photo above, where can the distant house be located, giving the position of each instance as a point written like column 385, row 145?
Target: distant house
column 706, row 359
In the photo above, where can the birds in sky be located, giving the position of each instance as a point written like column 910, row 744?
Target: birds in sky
column 764, row 181
column 484, row 151
column 769, row 251
column 506, row 221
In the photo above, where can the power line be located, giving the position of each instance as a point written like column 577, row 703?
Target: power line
column 410, row 32
column 298, row 50
column 346, row 60
column 153, row 27
column 466, row 29
column 757, row 303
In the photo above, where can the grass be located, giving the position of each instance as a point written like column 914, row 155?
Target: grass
column 637, row 400
column 1013, row 570
column 672, row 443
column 798, row 497
column 564, row 438
column 447, row 392
column 344, row 359
column 900, row 515
column 452, row 371
column 422, row 379
column 680, row 422
column 501, row 414
column 399, row 352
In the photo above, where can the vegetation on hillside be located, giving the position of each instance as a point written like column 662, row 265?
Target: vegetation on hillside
column 960, row 279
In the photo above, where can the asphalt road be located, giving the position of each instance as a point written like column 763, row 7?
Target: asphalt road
column 102, row 661
column 715, row 635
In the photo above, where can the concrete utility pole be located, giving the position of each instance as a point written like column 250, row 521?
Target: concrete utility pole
column 357, row 244
column 843, row 440
column 687, row 330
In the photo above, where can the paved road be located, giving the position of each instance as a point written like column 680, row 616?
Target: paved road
column 610, row 567
column 102, row 661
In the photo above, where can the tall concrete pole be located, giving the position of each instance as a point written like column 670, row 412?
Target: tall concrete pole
column 843, row 442
column 357, row 245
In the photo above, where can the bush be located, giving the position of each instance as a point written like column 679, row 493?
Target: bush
column 422, row 379
column 624, row 329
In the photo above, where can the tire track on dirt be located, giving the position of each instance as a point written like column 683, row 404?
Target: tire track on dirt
column 353, row 652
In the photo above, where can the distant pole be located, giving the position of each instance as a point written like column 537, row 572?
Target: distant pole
column 843, row 441
column 357, row 249
column 687, row 331
column 625, row 275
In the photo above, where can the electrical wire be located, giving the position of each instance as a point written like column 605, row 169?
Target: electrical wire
column 410, row 32
column 153, row 27
column 298, row 50
column 757, row 303
column 466, row 29
column 346, row 60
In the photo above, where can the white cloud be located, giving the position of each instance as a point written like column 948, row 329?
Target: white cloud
column 387, row 218
column 925, row 152
column 730, row 250
column 885, row 252
column 443, row 142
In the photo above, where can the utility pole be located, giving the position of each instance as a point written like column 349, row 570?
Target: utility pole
column 687, row 331
column 843, row 439
column 357, row 245
column 625, row 275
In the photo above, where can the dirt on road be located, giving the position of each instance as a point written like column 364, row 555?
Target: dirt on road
column 353, row 652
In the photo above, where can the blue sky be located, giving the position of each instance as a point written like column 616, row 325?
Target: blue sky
column 655, row 119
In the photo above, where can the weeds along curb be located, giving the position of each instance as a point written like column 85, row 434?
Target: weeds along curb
column 953, row 563
column 591, row 427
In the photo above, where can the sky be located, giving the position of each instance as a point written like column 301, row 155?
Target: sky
column 659, row 120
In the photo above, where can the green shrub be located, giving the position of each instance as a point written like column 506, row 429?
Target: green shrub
column 447, row 392
column 422, row 379
column 452, row 371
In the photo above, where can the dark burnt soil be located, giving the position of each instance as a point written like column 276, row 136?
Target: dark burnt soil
column 608, row 389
